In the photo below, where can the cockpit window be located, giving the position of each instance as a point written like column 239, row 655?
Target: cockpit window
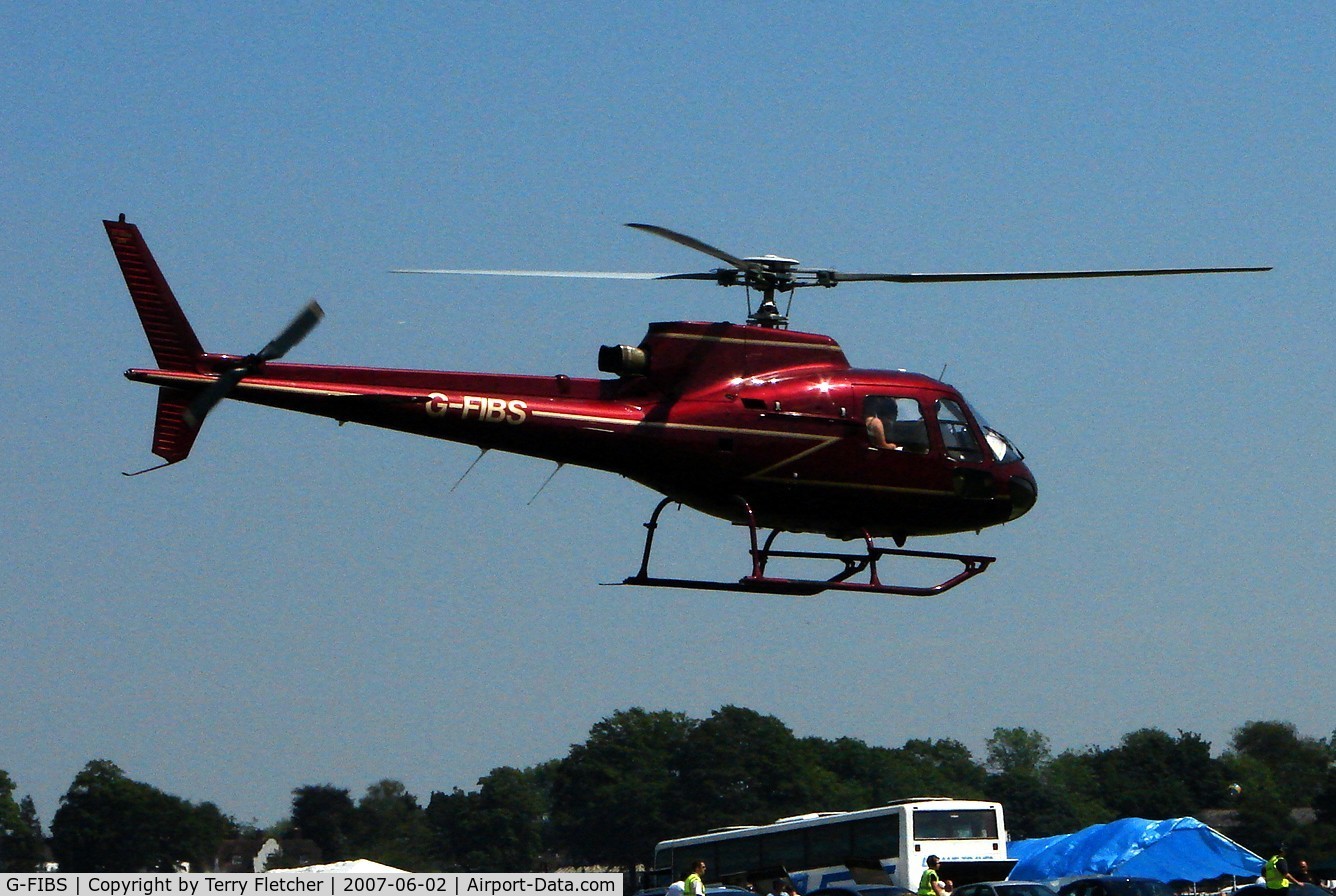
column 957, row 439
column 895, row 423
column 1000, row 445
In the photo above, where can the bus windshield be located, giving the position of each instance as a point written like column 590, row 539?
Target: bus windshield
column 955, row 824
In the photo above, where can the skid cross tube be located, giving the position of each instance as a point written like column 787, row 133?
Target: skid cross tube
column 853, row 564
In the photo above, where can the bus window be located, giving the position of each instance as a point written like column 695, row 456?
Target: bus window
column 663, row 858
column 737, row 856
column 957, row 438
column 953, row 824
column 875, row 837
column 683, row 859
column 786, row 849
column 828, row 845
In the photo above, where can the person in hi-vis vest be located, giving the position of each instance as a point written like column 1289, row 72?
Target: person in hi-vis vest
column 694, row 885
column 930, row 884
column 1276, row 872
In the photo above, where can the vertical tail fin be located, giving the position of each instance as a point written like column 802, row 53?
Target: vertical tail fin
column 170, row 336
column 174, row 344
column 172, row 435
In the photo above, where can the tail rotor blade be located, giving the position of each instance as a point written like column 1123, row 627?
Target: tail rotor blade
column 279, row 346
column 296, row 331
column 204, row 402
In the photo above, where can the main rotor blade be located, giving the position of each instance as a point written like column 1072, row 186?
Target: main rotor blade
column 295, row 332
column 839, row 277
column 592, row 275
column 692, row 243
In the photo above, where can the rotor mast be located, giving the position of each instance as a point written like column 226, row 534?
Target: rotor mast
column 768, row 275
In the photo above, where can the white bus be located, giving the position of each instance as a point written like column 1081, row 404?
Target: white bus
column 827, row 849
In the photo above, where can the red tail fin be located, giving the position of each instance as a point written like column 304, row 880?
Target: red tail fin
column 172, row 436
column 174, row 344
column 170, row 335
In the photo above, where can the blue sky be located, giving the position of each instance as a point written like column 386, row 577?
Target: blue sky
column 300, row 603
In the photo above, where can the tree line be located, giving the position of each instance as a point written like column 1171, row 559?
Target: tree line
column 643, row 776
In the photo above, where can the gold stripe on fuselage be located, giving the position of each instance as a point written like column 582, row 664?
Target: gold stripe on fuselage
column 162, row 378
column 762, row 475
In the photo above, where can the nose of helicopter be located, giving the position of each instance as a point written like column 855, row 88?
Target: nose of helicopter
column 1024, row 493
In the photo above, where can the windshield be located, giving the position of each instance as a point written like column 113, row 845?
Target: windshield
column 956, row 436
column 955, row 824
column 1001, row 447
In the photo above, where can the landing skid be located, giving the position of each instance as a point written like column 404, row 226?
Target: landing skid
column 853, row 564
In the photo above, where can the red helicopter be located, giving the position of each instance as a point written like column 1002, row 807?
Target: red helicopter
column 756, row 424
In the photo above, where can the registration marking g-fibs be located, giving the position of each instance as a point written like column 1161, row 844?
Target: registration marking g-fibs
column 476, row 407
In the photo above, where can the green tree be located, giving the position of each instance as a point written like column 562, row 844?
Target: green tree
column 1074, row 774
column 1324, row 802
column 861, row 776
column 1280, row 770
column 512, row 811
column 1017, row 750
column 325, row 814
column 1151, row 774
column 941, row 768
column 1275, row 757
column 21, row 847
column 1036, row 806
column 614, row 796
column 739, row 767
column 448, row 820
column 109, row 823
column 392, row 827
column 499, row 827
column 1264, row 821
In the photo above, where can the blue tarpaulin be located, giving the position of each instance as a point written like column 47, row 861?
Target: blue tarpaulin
column 1169, row 850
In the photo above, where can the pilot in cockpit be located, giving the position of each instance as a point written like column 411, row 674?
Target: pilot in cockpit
column 878, row 416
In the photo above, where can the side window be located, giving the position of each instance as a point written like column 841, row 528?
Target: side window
column 740, row 854
column 827, row 844
column 786, row 848
column 957, row 439
column 875, row 838
column 895, row 423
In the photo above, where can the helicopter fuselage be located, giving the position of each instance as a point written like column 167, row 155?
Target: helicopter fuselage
column 721, row 417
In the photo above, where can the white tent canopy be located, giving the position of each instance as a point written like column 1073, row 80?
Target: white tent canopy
column 352, row 866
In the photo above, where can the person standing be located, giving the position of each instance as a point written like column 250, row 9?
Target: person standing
column 694, row 885
column 1276, row 872
column 930, row 884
